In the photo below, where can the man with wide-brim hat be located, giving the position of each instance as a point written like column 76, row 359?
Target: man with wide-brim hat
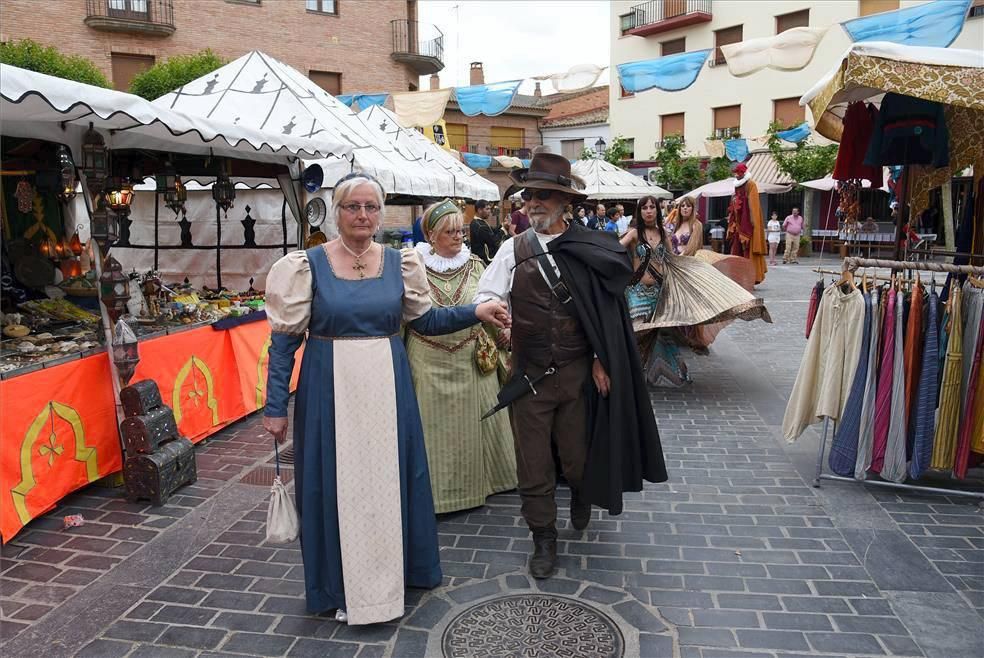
column 572, row 335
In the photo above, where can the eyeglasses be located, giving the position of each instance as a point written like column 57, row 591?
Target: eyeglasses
column 541, row 195
column 354, row 208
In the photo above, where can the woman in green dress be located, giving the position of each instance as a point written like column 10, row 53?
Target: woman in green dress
column 455, row 378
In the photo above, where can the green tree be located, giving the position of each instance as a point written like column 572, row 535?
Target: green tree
column 614, row 154
column 807, row 161
column 718, row 169
column 30, row 55
column 173, row 72
column 677, row 170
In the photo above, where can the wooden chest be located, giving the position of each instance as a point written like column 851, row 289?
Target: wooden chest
column 140, row 397
column 157, row 475
column 143, row 434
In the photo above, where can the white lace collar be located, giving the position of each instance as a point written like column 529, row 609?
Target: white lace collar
column 440, row 263
column 744, row 179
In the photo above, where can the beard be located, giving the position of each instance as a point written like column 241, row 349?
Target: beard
column 541, row 221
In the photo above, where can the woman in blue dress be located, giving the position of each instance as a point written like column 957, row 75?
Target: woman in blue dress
column 362, row 490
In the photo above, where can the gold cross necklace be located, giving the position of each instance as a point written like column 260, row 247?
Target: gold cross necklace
column 359, row 266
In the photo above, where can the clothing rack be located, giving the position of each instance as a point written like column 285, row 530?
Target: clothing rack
column 851, row 264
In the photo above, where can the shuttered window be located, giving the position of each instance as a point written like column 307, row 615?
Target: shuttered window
column 571, row 148
column 673, row 8
column 727, row 120
column 788, row 112
column 673, row 47
column 506, row 141
column 125, row 67
column 457, row 134
column 327, row 80
column 723, row 38
column 791, row 20
column 671, row 124
column 868, row 7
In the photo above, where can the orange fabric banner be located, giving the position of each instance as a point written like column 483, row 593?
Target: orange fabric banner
column 57, row 433
column 251, row 347
column 196, row 372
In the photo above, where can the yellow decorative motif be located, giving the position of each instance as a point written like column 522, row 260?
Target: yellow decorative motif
column 51, row 449
column 195, row 395
column 260, row 378
column 83, row 453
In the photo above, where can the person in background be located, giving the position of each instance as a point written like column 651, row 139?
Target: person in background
column 582, row 215
column 793, row 226
column 519, row 221
column 623, row 219
column 773, row 231
column 684, row 230
column 418, row 233
column 601, row 214
column 484, row 239
column 569, row 213
column 611, row 225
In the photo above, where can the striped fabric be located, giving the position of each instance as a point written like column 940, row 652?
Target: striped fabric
column 894, row 467
column 886, row 378
column 844, row 448
column 970, row 403
column 925, row 411
column 913, row 353
column 945, row 443
column 867, row 429
column 973, row 302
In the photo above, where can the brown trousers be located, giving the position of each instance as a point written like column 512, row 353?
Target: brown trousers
column 556, row 415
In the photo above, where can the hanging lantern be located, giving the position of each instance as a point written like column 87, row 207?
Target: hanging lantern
column 223, row 190
column 75, row 244
column 105, row 227
column 175, row 199
column 46, row 248
column 61, row 249
column 95, row 160
column 119, row 195
column 114, row 288
column 125, row 353
column 66, row 175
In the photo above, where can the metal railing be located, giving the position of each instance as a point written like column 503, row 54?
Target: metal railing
column 159, row 12
column 406, row 40
column 656, row 11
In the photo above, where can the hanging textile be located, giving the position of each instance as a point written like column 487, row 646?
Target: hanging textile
column 894, row 467
column 947, row 423
column 670, row 73
column 736, row 150
column 973, row 302
column 796, row 134
column 844, row 448
column 859, row 124
column 576, row 78
column 346, row 99
column 811, row 312
column 913, row 355
column 886, row 377
column 867, row 426
column 476, row 160
column 925, row 411
column 791, row 50
column 936, row 24
column 714, row 148
column 490, row 100
column 420, row 108
column 909, row 131
column 368, row 100
column 971, row 402
column 827, row 368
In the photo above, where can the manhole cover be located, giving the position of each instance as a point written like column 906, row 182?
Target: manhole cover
column 532, row 625
column 263, row 475
column 286, row 455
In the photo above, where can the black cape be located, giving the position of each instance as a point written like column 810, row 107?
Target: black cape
column 624, row 447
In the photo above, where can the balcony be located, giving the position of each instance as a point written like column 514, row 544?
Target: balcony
column 424, row 56
column 153, row 17
column 657, row 16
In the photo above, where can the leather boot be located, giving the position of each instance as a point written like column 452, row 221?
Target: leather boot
column 543, row 562
column 580, row 511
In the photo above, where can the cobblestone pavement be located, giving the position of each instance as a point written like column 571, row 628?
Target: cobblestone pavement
column 736, row 556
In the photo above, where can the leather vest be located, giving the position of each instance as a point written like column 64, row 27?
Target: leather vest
column 544, row 331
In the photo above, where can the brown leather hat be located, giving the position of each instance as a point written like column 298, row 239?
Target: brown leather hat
column 548, row 171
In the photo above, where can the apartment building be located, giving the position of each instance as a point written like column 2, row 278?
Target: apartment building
column 719, row 104
column 345, row 46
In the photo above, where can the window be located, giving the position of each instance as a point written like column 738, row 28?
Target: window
column 136, row 9
column 506, row 141
column 630, row 145
column 571, row 148
column 623, row 93
column 727, row 121
column 673, row 47
column 723, row 38
column 322, row 6
column 627, row 22
column 671, row 124
column 788, row 112
column 457, row 134
column 868, row 7
column 976, row 9
column 126, row 67
column 330, row 82
column 795, row 19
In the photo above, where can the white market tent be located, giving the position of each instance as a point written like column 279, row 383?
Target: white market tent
column 726, row 187
column 828, row 183
column 259, row 91
column 604, row 181
column 466, row 182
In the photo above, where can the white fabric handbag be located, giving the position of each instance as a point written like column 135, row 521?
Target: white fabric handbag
column 282, row 526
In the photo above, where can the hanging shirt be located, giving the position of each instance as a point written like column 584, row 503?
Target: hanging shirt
column 909, row 131
column 894, row 468
column 925, row 412
column 972, row 408
column 844, row 447
column 947, row 422
column 859, row 124
column 827, row 368
column 883, row 396
column 866, row 432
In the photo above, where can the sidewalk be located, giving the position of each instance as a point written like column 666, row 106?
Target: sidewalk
column 736, row 556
